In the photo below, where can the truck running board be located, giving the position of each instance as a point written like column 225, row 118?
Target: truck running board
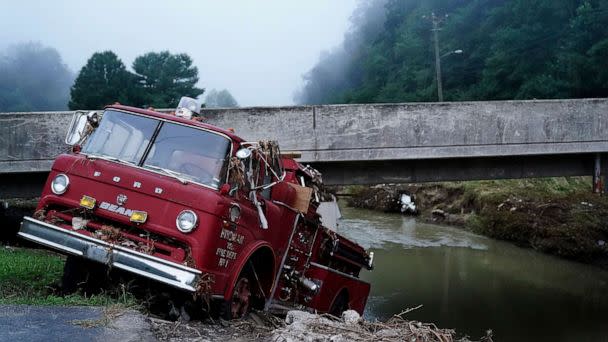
column 72, row 243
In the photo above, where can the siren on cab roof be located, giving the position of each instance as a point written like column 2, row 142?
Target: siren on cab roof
column 187, row 107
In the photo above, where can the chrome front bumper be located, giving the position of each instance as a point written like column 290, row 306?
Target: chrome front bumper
column 72, row 243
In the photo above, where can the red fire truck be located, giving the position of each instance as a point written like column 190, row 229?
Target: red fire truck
column 196, row 207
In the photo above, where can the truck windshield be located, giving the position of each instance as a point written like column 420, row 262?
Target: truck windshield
column 121, row 136
column 194, row 154
column 180, row 151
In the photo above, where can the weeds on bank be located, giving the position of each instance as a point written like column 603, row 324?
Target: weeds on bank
column 534, row 188
column 31, row 276
column 559, row 216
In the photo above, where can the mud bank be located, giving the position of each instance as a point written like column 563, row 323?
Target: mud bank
column 558, row 216
column 304, row 326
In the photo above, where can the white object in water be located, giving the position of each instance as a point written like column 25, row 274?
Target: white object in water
column 407, row 205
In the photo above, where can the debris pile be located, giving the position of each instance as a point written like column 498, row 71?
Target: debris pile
column 305, row 326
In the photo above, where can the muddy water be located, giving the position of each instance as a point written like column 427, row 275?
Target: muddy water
column 471, row 283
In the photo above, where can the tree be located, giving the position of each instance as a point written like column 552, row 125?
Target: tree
column 513, row 49
column 33, row 77
column 220, row 99
column 165, row 78
column 102, row 81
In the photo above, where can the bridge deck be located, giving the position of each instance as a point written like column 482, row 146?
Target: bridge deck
column 376, row 143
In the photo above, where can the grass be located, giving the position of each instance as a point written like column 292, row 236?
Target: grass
column 32, row 276
column 538, row 188
column 559, row 216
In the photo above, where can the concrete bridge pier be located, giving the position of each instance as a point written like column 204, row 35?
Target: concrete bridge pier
column 600, row 173
column 604, row 173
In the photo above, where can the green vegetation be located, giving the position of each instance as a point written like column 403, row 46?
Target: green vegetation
column 29, row 276
column 163, row 78
column 558, row 216
column 514, row 49
column 160, row 80
column 102, row 81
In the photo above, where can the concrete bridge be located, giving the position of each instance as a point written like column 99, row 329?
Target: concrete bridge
column 373, row 143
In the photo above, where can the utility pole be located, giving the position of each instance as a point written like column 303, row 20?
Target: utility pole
column 436, row 21
column 435, row 30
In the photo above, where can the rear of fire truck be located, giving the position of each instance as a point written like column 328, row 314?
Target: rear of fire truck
column 320, row 268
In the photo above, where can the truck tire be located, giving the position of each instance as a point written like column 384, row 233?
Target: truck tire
column 340, row 304
column 240, row 302
column 79, row 273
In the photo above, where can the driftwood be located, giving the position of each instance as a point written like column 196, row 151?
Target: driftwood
column 304, row 326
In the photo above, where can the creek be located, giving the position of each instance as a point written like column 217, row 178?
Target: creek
column 471, row 283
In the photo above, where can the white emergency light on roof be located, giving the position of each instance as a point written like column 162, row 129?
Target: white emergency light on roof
column 187, row 107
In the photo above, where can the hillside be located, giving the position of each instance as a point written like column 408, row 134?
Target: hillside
column 513, row 49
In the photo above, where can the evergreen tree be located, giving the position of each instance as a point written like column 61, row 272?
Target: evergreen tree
column 103, row 81
column 165, row 78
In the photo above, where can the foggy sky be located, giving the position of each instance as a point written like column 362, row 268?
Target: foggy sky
column 257, row 49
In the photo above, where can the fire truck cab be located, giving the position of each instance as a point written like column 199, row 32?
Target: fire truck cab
column 197, row 208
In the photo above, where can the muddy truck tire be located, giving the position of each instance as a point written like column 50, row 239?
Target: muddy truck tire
column 79, row 273
column 240, row 302
column 246, row 296
column 11, row 215
column 340, row 304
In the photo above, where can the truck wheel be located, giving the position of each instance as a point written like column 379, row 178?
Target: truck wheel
column 79, row 273
column 240, row 303
column 340, row 304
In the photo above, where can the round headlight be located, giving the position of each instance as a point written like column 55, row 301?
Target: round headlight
column 60, row 184
column 186, row 221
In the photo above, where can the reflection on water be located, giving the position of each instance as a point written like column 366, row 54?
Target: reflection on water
column 472, row 283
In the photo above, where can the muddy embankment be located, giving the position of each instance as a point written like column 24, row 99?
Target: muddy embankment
column 558, row 216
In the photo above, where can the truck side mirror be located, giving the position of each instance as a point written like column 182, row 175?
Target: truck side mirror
column 79, row 127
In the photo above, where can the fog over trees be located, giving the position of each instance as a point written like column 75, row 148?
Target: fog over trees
column 514, row 49
column 220, row 99
column 33, row 77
